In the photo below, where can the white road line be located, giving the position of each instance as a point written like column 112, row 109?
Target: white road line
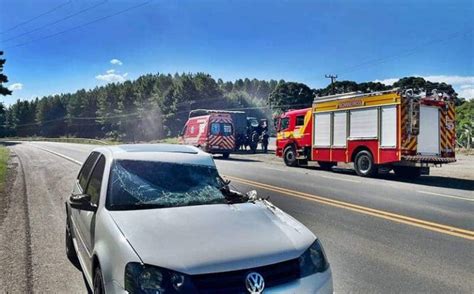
column 273, row 168
column 60, row 155
column 446, row 195
column 341, row 179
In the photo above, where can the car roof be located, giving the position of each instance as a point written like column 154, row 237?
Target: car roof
column 174, row 153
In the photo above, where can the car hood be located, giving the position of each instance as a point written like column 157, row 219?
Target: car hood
column 214, row 238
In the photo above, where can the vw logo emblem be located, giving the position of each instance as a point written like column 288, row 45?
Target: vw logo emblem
column 254, row 283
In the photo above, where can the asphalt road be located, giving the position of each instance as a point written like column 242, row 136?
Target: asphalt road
column 381, row 235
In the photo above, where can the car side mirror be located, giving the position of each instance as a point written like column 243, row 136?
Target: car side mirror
column 82, row 202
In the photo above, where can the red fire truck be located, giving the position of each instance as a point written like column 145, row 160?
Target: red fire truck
column 398, row 130
column 213, row 133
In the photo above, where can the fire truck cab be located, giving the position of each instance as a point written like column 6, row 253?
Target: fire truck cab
column 400, row 130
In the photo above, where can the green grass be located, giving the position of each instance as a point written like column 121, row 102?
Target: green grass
column 4, row 155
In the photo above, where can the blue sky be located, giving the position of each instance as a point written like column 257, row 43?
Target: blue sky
column 292, row 40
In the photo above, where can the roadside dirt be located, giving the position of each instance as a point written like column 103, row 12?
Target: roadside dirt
column 15, row 239
column 463, row 168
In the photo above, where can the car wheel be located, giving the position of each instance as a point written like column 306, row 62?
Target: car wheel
column 364, row 164
column 70, row 250
column 289, row 156
column 225, row 155
column 98, row 282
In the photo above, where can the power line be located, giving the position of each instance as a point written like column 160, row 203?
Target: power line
column 82, row 25
column 333, row 78
column 406, row 52
column 56, row 21
column 36, row 17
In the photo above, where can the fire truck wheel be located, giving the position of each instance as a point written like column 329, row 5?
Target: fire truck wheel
column 364, row 164
column 225, row 155
column 289, row 155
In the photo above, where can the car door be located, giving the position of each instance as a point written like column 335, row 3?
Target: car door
column 82, row 219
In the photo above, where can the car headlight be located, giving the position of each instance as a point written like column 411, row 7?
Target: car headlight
column 147, row 279
column 313, row 260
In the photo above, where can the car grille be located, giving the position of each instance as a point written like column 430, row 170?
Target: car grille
column 234, row 281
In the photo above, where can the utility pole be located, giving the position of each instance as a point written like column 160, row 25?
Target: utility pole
column 333, row 78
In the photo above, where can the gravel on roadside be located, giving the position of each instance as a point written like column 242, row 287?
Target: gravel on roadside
column 15, row 253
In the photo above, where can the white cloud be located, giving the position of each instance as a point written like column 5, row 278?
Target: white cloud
column 466, row 92
column 111, row 77
column 464, row 85
column 387, row 82
column 110, row 71
column 15, row 87
column 453, row 80
column 116, row 62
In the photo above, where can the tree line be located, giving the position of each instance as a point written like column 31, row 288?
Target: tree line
column 151, row 107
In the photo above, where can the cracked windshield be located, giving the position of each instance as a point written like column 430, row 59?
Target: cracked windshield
column 236, row 146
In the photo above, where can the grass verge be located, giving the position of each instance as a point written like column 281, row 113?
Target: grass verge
column 4, row 155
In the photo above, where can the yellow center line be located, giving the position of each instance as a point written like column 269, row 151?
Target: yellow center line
column 453, row 231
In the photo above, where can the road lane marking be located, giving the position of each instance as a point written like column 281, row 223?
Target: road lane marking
column 340, row 179
column 453, row 231
column 449, row 230
column 446, row 195
column 60, row 155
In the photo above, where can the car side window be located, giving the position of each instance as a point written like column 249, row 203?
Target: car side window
column 86, row 170
column 284, row 124
column 95, row 182
column 300, row 120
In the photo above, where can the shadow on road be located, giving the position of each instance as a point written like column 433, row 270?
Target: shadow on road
column 432, row 181
column 435, row 181
column 8, row 143
column 236, row 159
column 248, row 152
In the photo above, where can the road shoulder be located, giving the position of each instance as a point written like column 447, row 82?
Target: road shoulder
column 15, row 239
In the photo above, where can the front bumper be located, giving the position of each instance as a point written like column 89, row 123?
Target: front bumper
column 320, row 283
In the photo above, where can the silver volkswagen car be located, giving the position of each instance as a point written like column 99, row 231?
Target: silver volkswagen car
column 160, row 219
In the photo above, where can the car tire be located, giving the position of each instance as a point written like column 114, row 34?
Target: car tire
column 98, row 282
column 289, row 156
column 225, row 155
column 70, row 250
column 364, row 164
